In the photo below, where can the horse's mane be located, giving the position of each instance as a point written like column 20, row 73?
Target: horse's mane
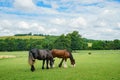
column 33, row 54
column 71, row 56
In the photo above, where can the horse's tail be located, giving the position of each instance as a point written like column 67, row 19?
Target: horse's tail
column 31, row 59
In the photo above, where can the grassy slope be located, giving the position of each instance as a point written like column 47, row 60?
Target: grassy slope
column 23, row 37
column 104, row 66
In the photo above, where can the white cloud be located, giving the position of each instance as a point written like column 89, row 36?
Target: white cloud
column 6, row 31
column 1, row 28
column 106, row 11
column 109, row 30
column 5, row 24
column 23, row 25
column 41, row 29
column 54, row 5
column 94, row 19
column 34, row 24
column 26, row 5
column 78, row 22
column 106, row 30
column 29, row 7
column 90, row 1
column 118, row 24
column 58, row 21
column 52, row 31
column 103, row 24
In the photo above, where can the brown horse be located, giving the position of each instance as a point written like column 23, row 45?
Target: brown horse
column 64, row 54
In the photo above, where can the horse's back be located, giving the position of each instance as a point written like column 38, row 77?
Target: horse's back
column 40, row 54
column 43, row 54
column 60, row 53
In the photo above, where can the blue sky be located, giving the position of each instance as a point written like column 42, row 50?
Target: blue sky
column 94, row 19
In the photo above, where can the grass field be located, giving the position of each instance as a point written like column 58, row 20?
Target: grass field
column 23, row 37
column 100, row 65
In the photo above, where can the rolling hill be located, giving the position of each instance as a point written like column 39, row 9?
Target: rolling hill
column 23, row 37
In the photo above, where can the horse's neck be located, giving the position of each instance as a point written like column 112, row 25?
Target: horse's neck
column 71, row 57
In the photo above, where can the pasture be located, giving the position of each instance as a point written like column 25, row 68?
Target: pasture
column 100, row 65
column 23, row 37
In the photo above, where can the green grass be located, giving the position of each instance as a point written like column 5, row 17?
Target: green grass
column 100, row 65
column 23, row 37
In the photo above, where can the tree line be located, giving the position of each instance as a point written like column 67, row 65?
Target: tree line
column 71, row 41
column 30, row 34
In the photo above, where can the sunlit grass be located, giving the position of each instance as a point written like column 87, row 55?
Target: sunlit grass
column 100, row 65
column 23, row 37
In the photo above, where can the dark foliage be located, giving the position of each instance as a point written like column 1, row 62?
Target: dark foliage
column 71, row 41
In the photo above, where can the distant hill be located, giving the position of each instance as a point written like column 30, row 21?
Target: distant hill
column 23, row 37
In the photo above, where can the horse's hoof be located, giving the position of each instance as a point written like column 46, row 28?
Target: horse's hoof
column 47, row 68
column 59, row 66
column 32, row 70
column 42, row 67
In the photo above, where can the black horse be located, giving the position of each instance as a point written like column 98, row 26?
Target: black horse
column 40, row 55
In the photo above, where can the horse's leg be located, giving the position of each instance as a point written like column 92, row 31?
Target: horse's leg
column 43, row 64
column 53, row 62
column 61, row 62
column 65, row 65
column 47, row 64
column 32, row 66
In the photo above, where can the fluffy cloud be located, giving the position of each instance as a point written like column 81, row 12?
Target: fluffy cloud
column 94, row 19
column 52, row 31
column 118, row 25
column 58, row 21
column 26, row 5
column 23, row 25
column 78, row 22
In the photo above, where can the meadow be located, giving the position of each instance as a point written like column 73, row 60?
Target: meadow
column 23, row 37
column 100, row 65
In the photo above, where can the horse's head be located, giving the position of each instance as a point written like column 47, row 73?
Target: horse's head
column 51, row 62
column 51, row 59
column 73, row 63
column 72, row 60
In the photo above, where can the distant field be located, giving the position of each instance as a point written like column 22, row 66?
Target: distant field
column 23, row 37
column 100, row 65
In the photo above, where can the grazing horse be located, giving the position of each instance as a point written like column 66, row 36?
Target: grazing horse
column 64, row 54
column 40, row 55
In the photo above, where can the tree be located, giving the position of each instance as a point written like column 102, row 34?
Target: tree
column 63, row 42
column 116, row 44
column 76, row 40
column 10, row 44
column 99, row 45
column 2, row 45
